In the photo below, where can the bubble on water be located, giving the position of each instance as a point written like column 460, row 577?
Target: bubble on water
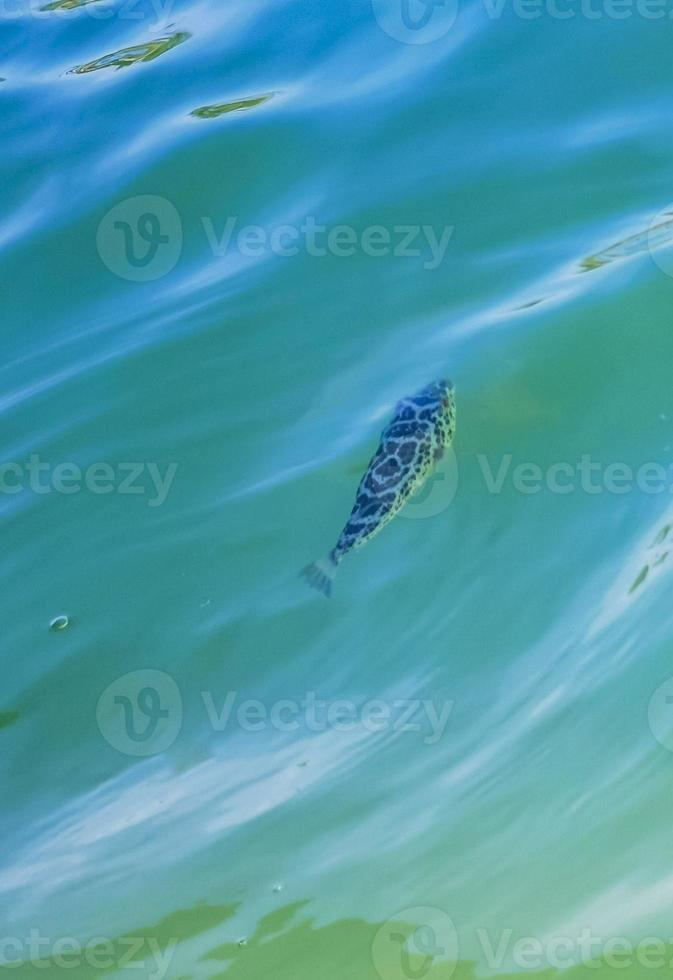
column 204, row 601
column 59, row 623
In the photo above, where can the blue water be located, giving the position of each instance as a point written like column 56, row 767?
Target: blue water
column 535, row 153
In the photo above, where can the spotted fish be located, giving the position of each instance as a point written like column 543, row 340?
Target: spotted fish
column 421, row 429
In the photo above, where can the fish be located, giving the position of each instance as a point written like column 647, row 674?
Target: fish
column 410, row 446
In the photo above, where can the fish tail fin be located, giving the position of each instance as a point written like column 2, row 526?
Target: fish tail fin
column 320, row 574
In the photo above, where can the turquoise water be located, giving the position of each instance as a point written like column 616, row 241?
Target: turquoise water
column 529, row 632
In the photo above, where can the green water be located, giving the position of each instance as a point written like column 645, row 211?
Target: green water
column 231, row 388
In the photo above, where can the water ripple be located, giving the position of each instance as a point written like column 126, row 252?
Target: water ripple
column 133, row 54
column 221, row 108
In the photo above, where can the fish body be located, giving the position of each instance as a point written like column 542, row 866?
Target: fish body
column 410, row 446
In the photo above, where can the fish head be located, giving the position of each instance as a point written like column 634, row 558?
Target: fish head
column 438, row 390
